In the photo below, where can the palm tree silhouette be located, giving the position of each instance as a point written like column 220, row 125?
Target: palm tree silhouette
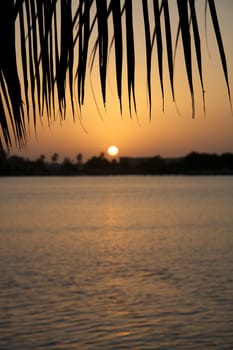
column 54, row 37
column 79, row 159
column 54, row 157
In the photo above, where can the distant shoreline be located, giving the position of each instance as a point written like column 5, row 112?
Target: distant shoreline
column 193, row 164
column 125, row 175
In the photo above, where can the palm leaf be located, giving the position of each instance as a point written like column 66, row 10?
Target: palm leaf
column 115, row 7
column 4, row 126
column 24, row 57
column 130, row 52
column 32, row 12
column 55, row 32
column 9, row 73
column 169, row 42
column 220, row 43
column 158, row 33
column 197, row 42
column 31, row 59
column 186, row 40
column 83, row 36
column 148, row 47
column 101, row 6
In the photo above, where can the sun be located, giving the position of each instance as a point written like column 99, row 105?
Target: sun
column 113, row 151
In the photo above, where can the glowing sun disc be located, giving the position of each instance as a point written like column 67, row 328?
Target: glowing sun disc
column 113, row 151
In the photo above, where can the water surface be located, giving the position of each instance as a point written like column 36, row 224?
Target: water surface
column 116, row 263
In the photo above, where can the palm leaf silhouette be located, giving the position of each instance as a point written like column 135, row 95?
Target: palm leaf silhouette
column 55, row 44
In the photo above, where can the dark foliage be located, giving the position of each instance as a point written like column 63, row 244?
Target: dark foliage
column 55, row 45
column 192, row 164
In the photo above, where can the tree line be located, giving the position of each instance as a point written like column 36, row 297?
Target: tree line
column 192, row 164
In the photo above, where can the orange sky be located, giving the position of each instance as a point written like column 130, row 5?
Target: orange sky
column 169, row 133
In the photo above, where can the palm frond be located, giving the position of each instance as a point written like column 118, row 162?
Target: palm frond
column 148, row 47
column 55, row 37
column 10, row 85
column 130, row 51
column 197, row 43
column 186, row 40
column 220, row 43
column 169, row 43
column 158, row 33
column 115, row 7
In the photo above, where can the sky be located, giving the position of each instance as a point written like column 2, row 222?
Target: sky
column 169, row 133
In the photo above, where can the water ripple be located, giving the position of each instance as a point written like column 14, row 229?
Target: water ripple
column 119, row 270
